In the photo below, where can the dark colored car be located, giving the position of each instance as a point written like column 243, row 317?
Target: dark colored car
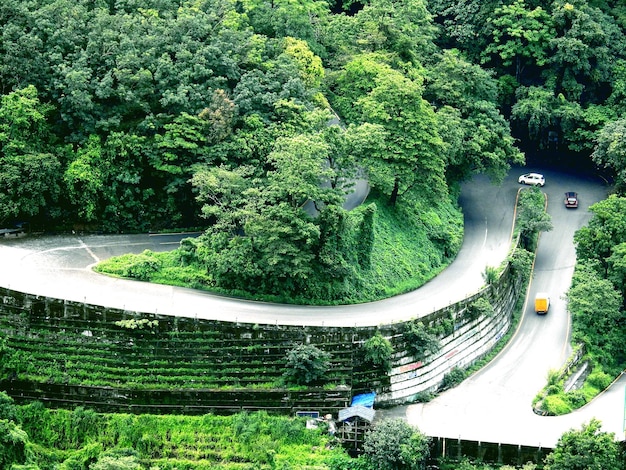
column 571, row 199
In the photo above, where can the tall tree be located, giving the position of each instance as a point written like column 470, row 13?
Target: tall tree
column 606, row 229
column 411, row 160
column 476, row 135
column 29, row 174
column 520, row 37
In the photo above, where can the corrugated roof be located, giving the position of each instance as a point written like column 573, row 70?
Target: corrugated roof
column 358, row 410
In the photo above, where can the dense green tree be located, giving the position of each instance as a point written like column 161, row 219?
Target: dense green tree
column 281, row 18
column 420, row 341
column 263, row 220
column 393, row 444
column 13, row 444
column 306, row 364
column 23, row 123
column 411, row 160
column 8, row 409
column 617, row 269
column 84, row 180
column 586, row 449
column 465, row 24
column 520, row 37
column 532, row 217
column 585, row 45
column 598, row 320
column 377, row 351
column 29, row 186
column 610, row 151
column 605, row 230
column 476, row 136
column 536, row 111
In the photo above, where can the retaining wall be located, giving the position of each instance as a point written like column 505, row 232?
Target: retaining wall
column 469, row 340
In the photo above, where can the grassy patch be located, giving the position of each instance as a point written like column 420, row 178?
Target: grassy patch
column 63, row 439
column 412, row 245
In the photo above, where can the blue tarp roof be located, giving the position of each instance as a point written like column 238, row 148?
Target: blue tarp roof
column 365, row 399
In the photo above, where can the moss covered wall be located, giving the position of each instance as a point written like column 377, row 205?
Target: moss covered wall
column 30, row 318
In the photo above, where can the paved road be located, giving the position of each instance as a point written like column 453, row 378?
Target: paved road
column 493, row 405
column 60, row 267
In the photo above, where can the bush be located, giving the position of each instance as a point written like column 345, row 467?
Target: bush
column 377, row 351
column 13, row 442
column 479, row 308
column 453, row 378
column 143, row 266
column 420, row 342
column 7, row 407
column 576, row 398
column 490, row 276
column 556, row 405
column 599, row 380
column 306, row 365
column 393, row 444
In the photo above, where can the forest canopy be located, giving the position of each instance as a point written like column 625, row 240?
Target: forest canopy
column 127, row 115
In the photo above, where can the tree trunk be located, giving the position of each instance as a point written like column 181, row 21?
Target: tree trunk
column 394, row 194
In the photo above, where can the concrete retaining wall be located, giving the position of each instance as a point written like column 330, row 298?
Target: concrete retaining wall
column 469, row 340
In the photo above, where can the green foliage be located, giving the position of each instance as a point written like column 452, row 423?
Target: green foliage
column 423, row 245
column 520, row 263
column 598, row 320
column 378, row 352
column 247, row 440
column 394, row 444
column 13, row 444
column 587, row 448
column 134, row 324
column 481, row 307
column 367, row 236
column 7, row 407
column 532, row 217
column 116, row 463
column 556, row 405
column 491, row 275
column 605, row 230
column 520, row 36
column 599, row 379
column 306, row 365
column 453, row 378
column 420, row 342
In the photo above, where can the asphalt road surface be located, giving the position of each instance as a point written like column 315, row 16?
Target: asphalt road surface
column 493, row 405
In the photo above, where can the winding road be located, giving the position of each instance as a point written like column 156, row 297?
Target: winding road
column 493, row 405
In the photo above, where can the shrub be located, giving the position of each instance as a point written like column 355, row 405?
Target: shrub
column 394, row 444
column 576, row 398
column 13, row 443
column 599, row 379
column 553, row 377
column 7, row 407
column 377, row 351
column 453, row 378
column 556, row 405
column 306, row 365
column 420, row 342
column 142, row 267
column 490, row 276
column 479, row 308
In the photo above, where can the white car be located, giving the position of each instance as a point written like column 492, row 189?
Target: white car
column 534, row 179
